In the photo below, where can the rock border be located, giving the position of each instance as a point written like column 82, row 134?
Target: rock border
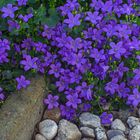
column 88, row 128
column 22, row 110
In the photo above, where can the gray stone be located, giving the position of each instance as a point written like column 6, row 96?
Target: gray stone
column 22, row 110
column 87, row 139
column 100, row 133
column 119, row 137
column 89, row 120
column 87, row 132
column 132, row 121
column 113, row 133
column 39, row 137
column 127, row 131
column 124, row 114
column 117, row 124
column 48, row 128
column 134, row 134
column 68, row 131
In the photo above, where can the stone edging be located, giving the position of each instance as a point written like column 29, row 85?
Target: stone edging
column 52, row 127
column 22, row 111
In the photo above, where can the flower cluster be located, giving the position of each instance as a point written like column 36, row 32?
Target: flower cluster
column 92, row 55
column 4, row 48
column 2, row 96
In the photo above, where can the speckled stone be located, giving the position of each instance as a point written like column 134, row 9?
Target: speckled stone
column 132, row 121
column 90, row 120
column 117, row 124
column 87, row 132
column 68, row 131
column 48, row 128
column 40, row 137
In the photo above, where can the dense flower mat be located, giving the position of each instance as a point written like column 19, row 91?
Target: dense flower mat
column 89, row 51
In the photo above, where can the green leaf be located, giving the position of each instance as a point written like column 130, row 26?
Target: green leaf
column 138, row 21
column 138, row 52
column 5, row 2
column 110, row 17
column 32, row 1
column 3, row 24
column 17, row 72
column 24, row 25
column 40, row 14
column 7, row 74
column 53, row 18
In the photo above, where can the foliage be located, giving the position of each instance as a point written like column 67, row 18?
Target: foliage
column 89, row 52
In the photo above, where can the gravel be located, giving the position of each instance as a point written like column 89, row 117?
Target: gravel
column 90, row 120
column 90, row 128
column 48, row 128
column 132, row 121
column 117, row 124
column 68, row 131
column 87, row 132
column 100, row 133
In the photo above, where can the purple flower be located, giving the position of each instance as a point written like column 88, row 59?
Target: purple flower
column 106, row 119
column 22, row 82
column 100, row 70
column 40, row 66
column 135, row 43
column 134, row 99
column 93, row 17
column 61, row 84
column 3, row 56
column 85, row 107
column 69, row 7
column 4, row 48
column 2, row 96
column 112, row 86
column 25, row 18
column 40, row 47
column 4, row 44
column 110, row 30
column 85, row 91
column 121, row 69
column 56, row 69
column 72, row 20
column 122, row 90
column 103, row 101
column 135, row 81
column 51, row 101
column 123, row 31
column 27, row 43
column 13, row 25
column 62, row 40
column 67, row 112
column 97, row 4
column 9, row 11
column 107, row 7
column 48, row 32
column 126, row 9
column 138, row 58
column 117, row 49
column 73, row 100
column 73, row 4
column 29, row 63
column 137, row 74
column 65, row 10
column 97, row 55
column 22, row 2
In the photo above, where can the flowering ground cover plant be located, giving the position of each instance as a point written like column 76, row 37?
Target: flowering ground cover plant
column 89, row 51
